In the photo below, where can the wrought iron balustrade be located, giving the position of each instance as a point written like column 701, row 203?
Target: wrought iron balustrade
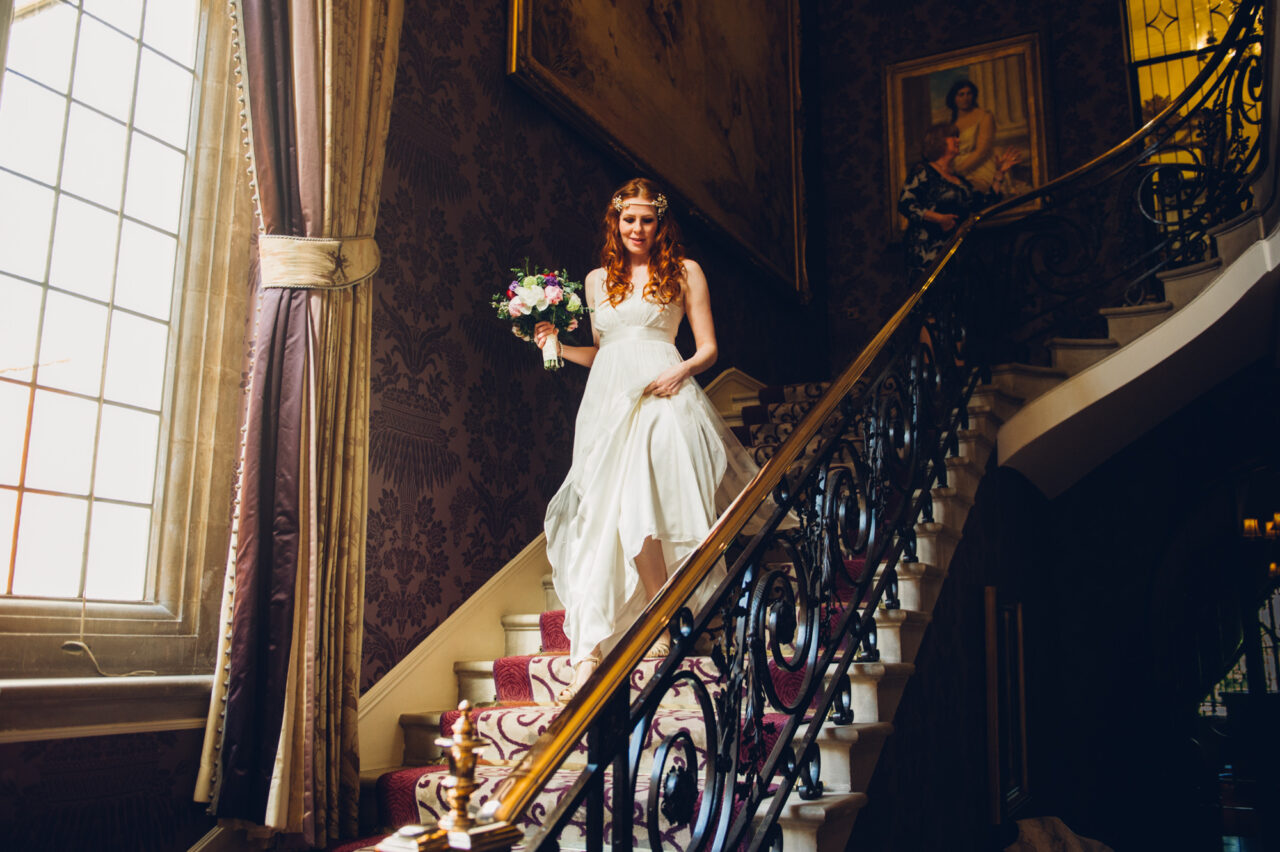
column 840, row 503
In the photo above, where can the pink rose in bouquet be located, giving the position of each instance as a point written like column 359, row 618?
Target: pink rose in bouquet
column 544, row 296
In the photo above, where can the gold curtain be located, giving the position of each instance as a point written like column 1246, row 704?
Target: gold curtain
column 341, row 71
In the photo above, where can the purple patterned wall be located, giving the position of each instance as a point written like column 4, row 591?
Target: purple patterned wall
column 469, row 437
column 1082, row 47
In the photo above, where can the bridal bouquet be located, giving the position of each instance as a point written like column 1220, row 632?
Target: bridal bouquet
column 545, row 296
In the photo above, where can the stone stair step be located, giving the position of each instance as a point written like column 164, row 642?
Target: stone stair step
column 551, row 600
column 514, row 696
column 1127, row 323
column 899, row 633
column 1234, row 237
column 1183, row 284
column 951, row 505
column 420, row 732
column 977, row 443
column 876, row 688
column 849, row 754
column 1021, row 382
column 1075, row 354
column 819, row 825
column 962, row 476
column 523, row 633
column 935, row 543
column 919, row 585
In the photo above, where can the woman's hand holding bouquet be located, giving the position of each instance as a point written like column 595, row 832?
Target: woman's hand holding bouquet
column 545, row 296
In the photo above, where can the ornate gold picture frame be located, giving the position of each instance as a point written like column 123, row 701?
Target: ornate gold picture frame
column 1006, row 75
column 703, row 97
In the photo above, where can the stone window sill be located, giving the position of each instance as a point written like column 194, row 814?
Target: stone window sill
column 34, row 709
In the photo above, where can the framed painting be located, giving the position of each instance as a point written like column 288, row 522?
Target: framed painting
column 991, row 92
column 702, row 97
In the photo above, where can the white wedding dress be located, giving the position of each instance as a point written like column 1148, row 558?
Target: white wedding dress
column 643, row 466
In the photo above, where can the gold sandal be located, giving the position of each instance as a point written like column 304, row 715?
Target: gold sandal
column 579, row 679
column 660, row 648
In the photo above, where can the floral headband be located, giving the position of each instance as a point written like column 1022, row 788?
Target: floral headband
column 659, row 204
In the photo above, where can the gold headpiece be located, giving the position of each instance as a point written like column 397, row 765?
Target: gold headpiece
column 659, row 204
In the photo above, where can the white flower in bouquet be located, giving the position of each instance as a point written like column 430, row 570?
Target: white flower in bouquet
column 534, row 296
column 547, row 296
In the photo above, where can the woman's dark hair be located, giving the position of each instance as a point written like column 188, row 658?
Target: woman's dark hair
column 934, row 144
column 956, row 87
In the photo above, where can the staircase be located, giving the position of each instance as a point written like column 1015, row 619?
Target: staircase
column 513, row 697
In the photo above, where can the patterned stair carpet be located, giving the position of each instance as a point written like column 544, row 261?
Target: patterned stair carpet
column 525, row 687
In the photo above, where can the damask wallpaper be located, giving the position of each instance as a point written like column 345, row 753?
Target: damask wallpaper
column 1087, row 112
column 469, row 436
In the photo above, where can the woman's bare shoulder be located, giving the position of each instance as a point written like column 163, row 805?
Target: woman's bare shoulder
column 695, row 280
column 593, row 284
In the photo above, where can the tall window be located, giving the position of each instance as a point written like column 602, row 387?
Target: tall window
column 125, row 221
column 95, row 145
column 1168, row 40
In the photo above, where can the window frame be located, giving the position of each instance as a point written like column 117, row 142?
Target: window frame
column 175, row 632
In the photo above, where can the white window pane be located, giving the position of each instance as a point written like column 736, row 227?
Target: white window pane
column 126, row 455
column 8, row 505
column 93, row 165
column 31, row 129
column 117, row 564
column 61, row 454
column 13, row 430
column 84, row 249
column 171, row 29
column 124, row 14
column 144, row 274
column 50, row 546
column 26, row 217
column 18, row 323
column 40, row 46
column 155, row 183
column 164, row 99
column 71, row 344
column 135, row 360
column 105, row 64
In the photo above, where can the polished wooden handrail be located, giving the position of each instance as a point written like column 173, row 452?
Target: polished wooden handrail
column 545, row 757
column 549, row 752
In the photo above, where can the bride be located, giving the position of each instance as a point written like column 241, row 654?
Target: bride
column 653, row 463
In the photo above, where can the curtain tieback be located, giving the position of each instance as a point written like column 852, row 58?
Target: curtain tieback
column 316, row 263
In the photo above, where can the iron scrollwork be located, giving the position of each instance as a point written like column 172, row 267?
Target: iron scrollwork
column 800, row 600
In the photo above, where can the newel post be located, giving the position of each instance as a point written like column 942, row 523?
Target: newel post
column 457, row 829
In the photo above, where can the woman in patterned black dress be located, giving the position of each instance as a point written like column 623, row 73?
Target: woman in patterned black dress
column 935, row 199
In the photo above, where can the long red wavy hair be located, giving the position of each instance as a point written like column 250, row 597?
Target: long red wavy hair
column 666, row 260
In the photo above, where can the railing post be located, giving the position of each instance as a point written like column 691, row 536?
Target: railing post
column 602, row 740
column 457, row 829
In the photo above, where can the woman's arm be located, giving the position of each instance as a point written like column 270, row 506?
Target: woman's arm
column 911, row 203
column 966, row 163
column 584, row 355
column 697, row 308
